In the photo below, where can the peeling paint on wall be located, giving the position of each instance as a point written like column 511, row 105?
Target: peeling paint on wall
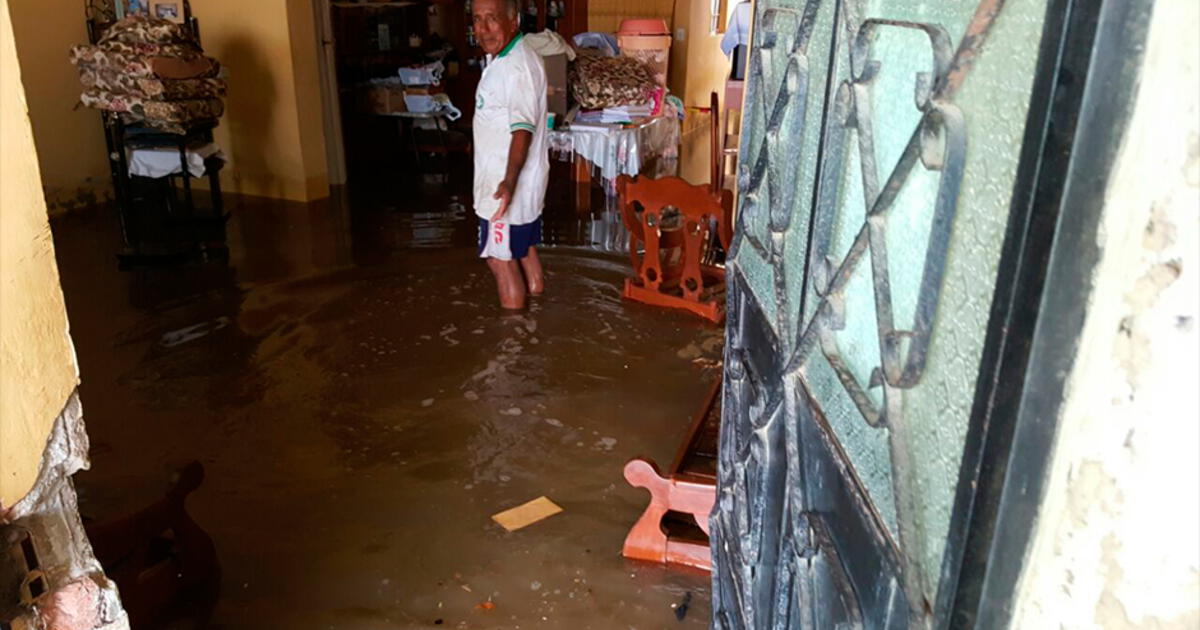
column 93, row 192
column 1116, row 545
column 71, row 153
column 79, row 596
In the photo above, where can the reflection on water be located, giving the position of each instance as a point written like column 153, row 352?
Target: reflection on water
column 438, row 228
column 362, row 410
column 602, row 231
column 575, row 216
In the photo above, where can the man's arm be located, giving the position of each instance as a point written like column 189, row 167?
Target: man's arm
column 518, row 152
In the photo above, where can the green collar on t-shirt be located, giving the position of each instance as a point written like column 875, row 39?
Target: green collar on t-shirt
column 511, row 44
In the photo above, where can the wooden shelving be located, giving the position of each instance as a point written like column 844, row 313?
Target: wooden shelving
column 354, row 5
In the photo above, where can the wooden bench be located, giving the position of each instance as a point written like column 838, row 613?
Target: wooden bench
column 689, row 488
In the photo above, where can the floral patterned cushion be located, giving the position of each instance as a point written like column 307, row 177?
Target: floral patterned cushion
column 113, row 63
column 598, row 82
column 182, row 112
column 163, row 125
column 144, row 29
column 184, row 50
column 150, row 72
column 160, row 89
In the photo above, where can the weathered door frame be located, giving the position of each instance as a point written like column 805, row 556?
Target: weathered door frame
column 1082, row 97
column 331, row 110
column 1085, row 76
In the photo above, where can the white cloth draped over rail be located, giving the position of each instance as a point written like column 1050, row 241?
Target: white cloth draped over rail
column 616, row 150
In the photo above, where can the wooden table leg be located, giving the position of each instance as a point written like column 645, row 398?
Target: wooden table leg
column 583, row 197
column 583, row 171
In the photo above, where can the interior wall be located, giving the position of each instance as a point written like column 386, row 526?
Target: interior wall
column 605, row 15
column 698, row 67
column 1116, row 545
column 272, row 130
column 39, row 372
column 271, row 133
column 71, row 149
column 306, row 77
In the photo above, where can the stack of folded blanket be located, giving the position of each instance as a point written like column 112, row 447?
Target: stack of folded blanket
column 153, row 73
column 598, row 82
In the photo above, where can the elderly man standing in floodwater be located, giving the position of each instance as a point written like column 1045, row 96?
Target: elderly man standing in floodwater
column 512, row 161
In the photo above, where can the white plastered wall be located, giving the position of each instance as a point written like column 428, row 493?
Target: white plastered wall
column 1118, row 541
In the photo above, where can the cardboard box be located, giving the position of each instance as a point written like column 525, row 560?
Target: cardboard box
column 556, row 85
column 424, row 89
column 383, row 97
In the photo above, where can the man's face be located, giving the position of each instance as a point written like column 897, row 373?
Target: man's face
column 495, row 25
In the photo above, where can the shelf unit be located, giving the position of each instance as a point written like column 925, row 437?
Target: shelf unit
column 197, row 235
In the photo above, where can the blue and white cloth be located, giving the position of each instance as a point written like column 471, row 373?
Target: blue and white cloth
column 737, row 33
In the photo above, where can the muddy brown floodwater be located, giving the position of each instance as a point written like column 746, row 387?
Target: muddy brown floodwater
column 362, row 408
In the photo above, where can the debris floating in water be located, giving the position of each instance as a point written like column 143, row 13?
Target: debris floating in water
column 526, row 514
column 681, row 610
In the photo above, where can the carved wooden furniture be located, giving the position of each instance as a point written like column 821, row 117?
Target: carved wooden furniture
column 689, row 488
column 671, row 227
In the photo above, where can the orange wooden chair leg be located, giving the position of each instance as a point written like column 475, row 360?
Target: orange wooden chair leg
column 646, row 539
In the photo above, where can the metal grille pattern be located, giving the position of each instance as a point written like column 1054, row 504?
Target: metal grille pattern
column 778, row 519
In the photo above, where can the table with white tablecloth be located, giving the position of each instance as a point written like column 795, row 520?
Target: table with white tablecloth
column 614, row 150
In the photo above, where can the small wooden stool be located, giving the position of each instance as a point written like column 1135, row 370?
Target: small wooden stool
column 690, row 487
column 667, row 251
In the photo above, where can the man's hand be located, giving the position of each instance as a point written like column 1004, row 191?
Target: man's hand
column 518, row 150
column 504, row 193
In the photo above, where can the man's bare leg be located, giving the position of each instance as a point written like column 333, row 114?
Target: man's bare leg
column 533, row 272
column 509, row 283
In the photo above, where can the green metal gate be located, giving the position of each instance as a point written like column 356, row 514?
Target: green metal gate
column 880, row 154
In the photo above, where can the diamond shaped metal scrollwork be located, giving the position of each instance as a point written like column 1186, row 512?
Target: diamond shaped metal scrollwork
column 798, row 541
column 939, row 144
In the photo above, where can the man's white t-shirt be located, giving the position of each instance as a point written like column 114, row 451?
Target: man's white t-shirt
column 511, row 96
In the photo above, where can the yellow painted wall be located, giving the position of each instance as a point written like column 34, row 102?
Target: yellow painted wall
column 307, row 82
column 1115, row 545
column 70, row 142
column 272, row 132
column 606, row 15
column 37, row 361
column 698, row 67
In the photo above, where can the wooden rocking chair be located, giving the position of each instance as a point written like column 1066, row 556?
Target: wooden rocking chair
column 671, row 226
